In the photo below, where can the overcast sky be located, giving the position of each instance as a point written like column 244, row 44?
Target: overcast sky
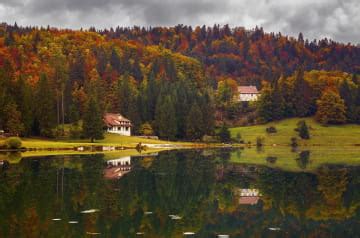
column 335, row 19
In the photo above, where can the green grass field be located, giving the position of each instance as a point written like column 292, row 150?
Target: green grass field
column 339, row 135
column 328, row 144
column 109, row 140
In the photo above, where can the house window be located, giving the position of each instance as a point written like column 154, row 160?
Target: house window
column 127, row 128
column 119, row 128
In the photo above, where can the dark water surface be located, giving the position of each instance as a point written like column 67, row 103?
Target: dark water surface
column 167, row 195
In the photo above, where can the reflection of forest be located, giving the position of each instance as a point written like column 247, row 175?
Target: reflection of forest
column 199, row 187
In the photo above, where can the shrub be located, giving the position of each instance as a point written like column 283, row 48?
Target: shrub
column 238, row 138
column 303, row 130
column 13, row 143
column 271, row 159
column 224, row 134
column 260, row 141
column 271, row 130
column 146, row 129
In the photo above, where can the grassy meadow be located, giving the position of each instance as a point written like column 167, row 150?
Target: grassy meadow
column 337, row 135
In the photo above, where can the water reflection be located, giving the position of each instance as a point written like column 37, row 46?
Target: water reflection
column 174, row 193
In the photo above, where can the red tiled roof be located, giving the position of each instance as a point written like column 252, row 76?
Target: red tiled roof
column 248, row 200
column 248, row 90
column 115, row 119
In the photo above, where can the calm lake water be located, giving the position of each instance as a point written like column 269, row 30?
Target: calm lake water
column 175, row 194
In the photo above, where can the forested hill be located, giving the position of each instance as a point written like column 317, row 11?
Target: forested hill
column 246, row 55
column 169, row 79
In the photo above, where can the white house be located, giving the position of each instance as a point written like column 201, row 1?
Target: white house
column 248, row 93
column 116, row 123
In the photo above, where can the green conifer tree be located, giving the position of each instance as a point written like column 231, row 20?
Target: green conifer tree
column 165, row 118
column 194, row 123
column 92, row 122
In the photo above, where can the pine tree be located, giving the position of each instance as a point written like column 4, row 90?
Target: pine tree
column 92, row 121
column 346, row 94
column 301, row 94
column 265, row 105
column 331, row 108
column 115, row 61
column 165, row 118
column 195, row 123
column 24, row 100
column 13, row 123
column 45, row 110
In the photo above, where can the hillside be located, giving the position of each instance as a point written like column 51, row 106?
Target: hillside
column 336, row 135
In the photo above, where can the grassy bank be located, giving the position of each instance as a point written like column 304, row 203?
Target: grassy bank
column 339, row 135
column 109, row 140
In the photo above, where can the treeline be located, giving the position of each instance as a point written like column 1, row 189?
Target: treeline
column 49, row 79
column 249, row 56
column 333, row 97
column 174, row 82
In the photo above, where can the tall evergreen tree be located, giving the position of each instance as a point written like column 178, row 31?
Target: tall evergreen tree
column 165, row 118
column 265, row 105
column 347, row 95
column 92, row 121
column 301, row 94
column 195, row 123
column 45, row 110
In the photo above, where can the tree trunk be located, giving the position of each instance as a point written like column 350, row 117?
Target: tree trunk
column 62, row 110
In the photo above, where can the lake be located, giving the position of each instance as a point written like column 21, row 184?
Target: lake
column 190, row 193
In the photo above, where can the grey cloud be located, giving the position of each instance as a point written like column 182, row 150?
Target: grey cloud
column 335, row 19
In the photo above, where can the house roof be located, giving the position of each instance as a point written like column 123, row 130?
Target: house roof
column 115, row 119
column 248, row 90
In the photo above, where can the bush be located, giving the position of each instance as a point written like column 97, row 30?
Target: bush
column 303, row 130
column 238, row 138
column 13, row 143
column 271, row 159
column 271, row 130
column 146, row 129
column 260, row 141
column 224, row 134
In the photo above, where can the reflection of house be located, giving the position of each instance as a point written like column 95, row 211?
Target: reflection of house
column 248, row 93
column 117, row 124
column 248, row 196
column 117, row 168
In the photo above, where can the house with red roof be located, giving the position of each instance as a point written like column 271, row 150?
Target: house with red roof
column 118, row 124
column 248, row 93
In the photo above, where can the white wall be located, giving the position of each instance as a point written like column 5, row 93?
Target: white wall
column 248, row 97
column 121, row 130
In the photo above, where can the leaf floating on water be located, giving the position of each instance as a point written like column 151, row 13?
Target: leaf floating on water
column 223, row 236
column 274, row 229
column 93, row 233
column 148, row 213
column 56, row 219
column 189, row 233
column 73, row 222
column 175, row 217
column 89, row 211
column 140, row 233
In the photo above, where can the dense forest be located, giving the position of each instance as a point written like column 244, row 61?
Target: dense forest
column 176, row 80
